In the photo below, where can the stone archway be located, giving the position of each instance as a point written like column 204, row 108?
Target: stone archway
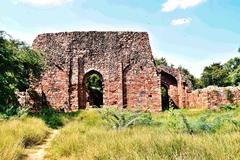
column 169, row 91
column 165, row 97
column 176, row 84
column 93, row 88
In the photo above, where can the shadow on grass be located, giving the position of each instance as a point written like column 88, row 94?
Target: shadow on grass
column 55, row 118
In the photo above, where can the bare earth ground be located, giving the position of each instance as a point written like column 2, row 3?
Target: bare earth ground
column 38, row 152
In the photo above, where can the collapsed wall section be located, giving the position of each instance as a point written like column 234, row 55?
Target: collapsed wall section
column 213, row 96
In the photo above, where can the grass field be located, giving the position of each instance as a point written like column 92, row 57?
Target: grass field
column 18, row 133
column 114, row 134
column 176, row 134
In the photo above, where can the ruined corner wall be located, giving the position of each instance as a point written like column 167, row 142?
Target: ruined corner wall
column 124, row 59
column 213, row 96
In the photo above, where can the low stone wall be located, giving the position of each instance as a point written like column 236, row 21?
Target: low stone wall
column 213, row 96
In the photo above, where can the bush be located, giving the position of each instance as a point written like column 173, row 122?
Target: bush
column 229, row 95
column 8, row 111
column 227, row 107
column 54, row 118
column 19, row 64
column 122, row 119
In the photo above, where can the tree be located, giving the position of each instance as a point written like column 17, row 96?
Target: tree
column 234, row 77
column 232, row 64
column 233, row 68
column 161, row 61
column 18, row 63
column 214, row 74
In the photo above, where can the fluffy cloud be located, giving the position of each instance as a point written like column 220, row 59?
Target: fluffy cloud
column 171, row 5
column 181, row 21
column 40, row 3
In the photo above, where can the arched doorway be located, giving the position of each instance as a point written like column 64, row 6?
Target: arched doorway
column 169, row 91
column 93, row 86
column 165, row 97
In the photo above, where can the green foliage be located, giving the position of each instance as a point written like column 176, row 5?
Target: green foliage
column 236, row 123
column 232, row 64
column 188, row 126
column 94, row 82
column 173, row 121
column 9, row 111
column 229, row 95
column 214, row 74
column 227, row 107
column 123, row 119
column 160, row 61
column 18, row 63
column 206, row 122
column 194, row 134
column 95, row 90
column 234, row 77
column 54, row 118
column 222, row 74
column 203, row 124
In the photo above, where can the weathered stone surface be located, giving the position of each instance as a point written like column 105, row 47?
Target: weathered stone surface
column 176, row 83
column 125, row 63
column 213, row 96
column 124, row 60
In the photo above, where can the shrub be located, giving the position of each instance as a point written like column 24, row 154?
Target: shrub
column 229, row 95
column 123, row 119
column 228, row 107
column 54, row 118
column 19, row 64
column 205, row 124
column 8, row 111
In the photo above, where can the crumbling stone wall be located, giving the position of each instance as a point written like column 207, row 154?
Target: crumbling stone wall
column 125, row 63
column 213, row 96
column 123, row 59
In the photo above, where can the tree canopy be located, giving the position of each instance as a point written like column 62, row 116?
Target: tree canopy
column 215, row 74
column 18, row 64
column 160, row 61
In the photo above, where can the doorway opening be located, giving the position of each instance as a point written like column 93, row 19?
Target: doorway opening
column 165, row 98
column 93, row 84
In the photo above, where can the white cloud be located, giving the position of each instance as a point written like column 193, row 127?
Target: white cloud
column 171, row 5
column 41, row 3
column 181, row 21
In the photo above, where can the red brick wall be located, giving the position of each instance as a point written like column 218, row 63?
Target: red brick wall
column 54, row 86
column 212, row 96
column 124, row 60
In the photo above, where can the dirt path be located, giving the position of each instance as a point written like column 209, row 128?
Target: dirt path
column 38, row 152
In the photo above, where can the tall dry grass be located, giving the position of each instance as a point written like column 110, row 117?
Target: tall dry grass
column 89, row 137
column 18, row 133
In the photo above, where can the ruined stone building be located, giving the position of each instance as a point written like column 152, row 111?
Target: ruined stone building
column 124, row 63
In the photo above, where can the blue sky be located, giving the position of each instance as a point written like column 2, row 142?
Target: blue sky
column 191, row 33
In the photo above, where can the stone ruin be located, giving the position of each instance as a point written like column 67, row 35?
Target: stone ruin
column 123, row 61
